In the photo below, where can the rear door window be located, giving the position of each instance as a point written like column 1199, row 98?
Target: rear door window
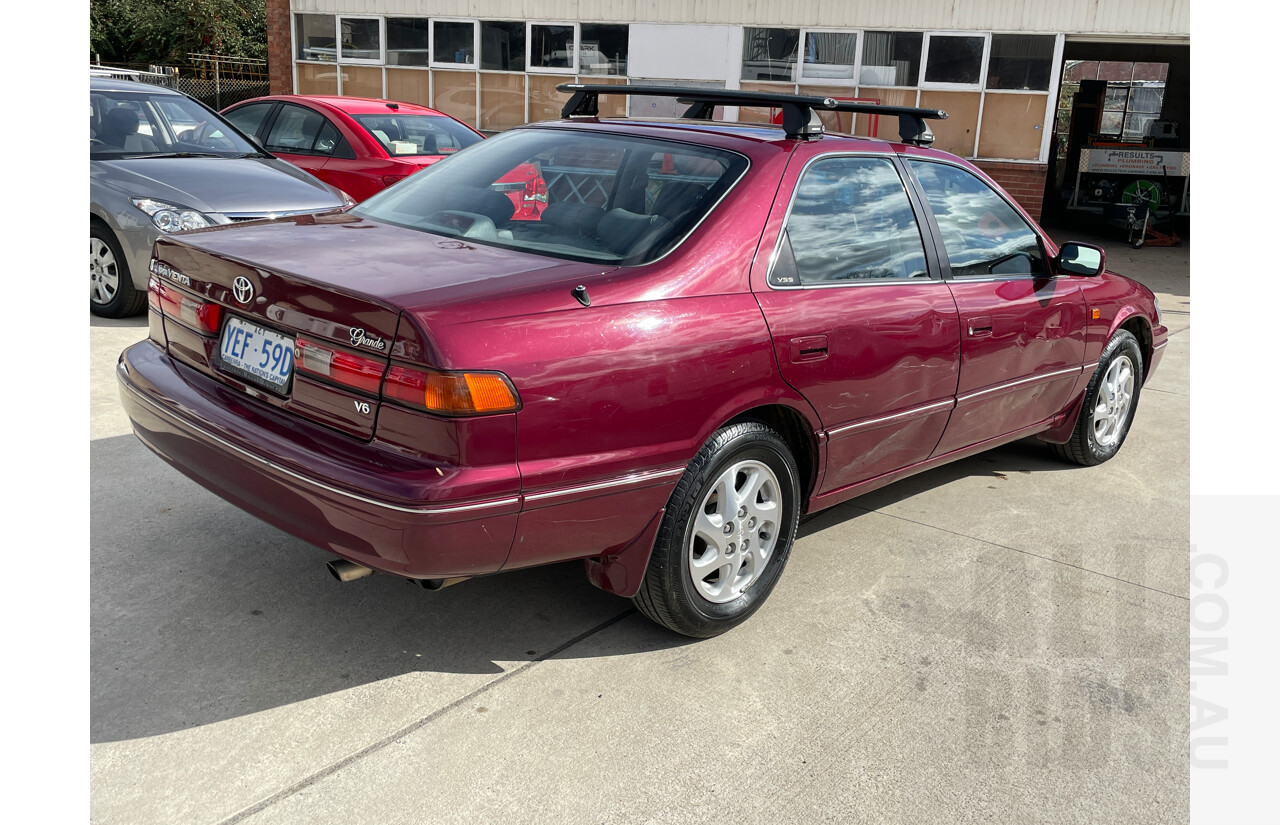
column 850, row 221
column 295, row 130
column 248, row 119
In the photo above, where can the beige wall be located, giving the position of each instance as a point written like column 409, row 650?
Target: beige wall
column 1161, row 18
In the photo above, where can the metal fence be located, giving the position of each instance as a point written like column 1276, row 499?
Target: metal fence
column 215, row 80
column 218, row 81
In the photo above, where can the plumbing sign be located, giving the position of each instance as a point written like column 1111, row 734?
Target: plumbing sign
column 1135, row 161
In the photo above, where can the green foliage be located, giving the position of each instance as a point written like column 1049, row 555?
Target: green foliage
column 166, row 31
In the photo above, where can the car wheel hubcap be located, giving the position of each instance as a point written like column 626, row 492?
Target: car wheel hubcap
column 1115, row 396
column 735, row 531
column 104, row 272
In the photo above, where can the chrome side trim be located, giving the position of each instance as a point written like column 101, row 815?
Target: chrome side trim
column 1008, row 385
column 911, row 413
column 635, row 479
column 266, row 462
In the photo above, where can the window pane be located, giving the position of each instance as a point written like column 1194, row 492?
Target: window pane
column 1012, row 126
column 295, row 130
column 830, row 54
column 1020, row 61
column 407, row 41
column 603, row 50
column 1077, row 70
column 983, row 235
column 851, row 220
column 552, row 47
column 1146, row 99
column 954, row 59
column 362, row 81
column 317, row 38
column 769, row 54
column 501, row 101
column 890, row 58
column 1151, row 71
column 360, row 39
column 958, row 132
column 1116, row 97
column 1136, row 125
column 328, row 140
column 411, row 85
column 455, row 42
column 317, row 80
column 502, row 46
column 455, row 94
column 1111, row 123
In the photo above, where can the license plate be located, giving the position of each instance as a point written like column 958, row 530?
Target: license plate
column 257, row 353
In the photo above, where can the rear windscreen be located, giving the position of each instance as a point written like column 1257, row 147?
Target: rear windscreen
column 588, row 197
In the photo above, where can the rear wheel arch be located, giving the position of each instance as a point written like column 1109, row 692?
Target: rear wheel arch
column 791, row 425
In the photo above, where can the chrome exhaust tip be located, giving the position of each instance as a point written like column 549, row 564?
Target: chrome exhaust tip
column 348, row 571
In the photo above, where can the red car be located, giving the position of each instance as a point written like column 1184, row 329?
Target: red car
column 711, row 329
column 362, row 145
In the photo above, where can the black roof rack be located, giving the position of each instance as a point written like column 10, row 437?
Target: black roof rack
column 798, row 111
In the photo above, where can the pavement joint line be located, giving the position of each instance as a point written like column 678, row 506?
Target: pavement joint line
column 414, row 726
column 1179, row 332
column 1024, row 552
column 1166, row 392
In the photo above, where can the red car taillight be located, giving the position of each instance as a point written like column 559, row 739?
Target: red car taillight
column 535, row 192
column 452, row 393
column 195, row 312
column 346, row 368
column 387, row 180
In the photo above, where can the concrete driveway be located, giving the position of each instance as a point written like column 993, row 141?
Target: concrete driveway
column 1000, row 640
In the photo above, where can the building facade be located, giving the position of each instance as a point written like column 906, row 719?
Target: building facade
column 999, row 68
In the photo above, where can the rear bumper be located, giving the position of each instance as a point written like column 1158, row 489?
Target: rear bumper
column 357, row 500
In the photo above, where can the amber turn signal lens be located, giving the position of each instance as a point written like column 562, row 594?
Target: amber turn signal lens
column 452, row 393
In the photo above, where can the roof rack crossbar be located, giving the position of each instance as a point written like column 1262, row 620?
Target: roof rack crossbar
column 798, row 120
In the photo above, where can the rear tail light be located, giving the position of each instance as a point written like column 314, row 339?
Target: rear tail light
column 535, row 192
column 452, row 393
column 387, row 180
column 195, row 312
column 346, row 368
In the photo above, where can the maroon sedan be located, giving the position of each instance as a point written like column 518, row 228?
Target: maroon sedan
column 710, row 330
column 362, row 145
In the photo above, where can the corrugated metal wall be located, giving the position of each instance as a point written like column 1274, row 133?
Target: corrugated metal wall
column 1163, row 18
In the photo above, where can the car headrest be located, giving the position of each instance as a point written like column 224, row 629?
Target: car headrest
column 621, row 230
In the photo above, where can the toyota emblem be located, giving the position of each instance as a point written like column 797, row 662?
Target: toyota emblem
column 243, row 289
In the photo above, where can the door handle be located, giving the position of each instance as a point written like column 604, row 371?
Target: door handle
column 808, row 348
column 979, row 326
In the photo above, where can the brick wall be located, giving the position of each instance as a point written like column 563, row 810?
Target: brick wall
column 1024, row 181
column 279, row 47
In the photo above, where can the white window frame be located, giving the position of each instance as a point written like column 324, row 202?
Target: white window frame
column 293, row 33
column 474, row 65
column 386, row 50
column 529, row 68
column 382, row 40
column 954, row 87
column 851, row 82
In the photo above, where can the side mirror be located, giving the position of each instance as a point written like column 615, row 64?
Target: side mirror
column 1081, row 259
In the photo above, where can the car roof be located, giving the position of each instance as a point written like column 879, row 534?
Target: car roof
column 98, row 83
column 359, row 105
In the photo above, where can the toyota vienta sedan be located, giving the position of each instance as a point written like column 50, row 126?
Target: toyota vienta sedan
column 711, row 329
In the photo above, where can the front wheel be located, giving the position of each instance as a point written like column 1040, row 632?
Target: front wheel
column 726, row 534
column 1110, row 402
column 111, row 291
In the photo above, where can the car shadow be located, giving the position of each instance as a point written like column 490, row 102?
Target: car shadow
column 201, row 613
column 135, row 321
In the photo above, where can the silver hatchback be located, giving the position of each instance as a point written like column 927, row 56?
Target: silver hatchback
column 161, row 162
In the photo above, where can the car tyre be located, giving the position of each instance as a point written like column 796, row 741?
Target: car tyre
column 1110, row 401
column 111, row 290
column 713, row 564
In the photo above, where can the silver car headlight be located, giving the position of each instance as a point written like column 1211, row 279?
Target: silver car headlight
column 168, row 217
